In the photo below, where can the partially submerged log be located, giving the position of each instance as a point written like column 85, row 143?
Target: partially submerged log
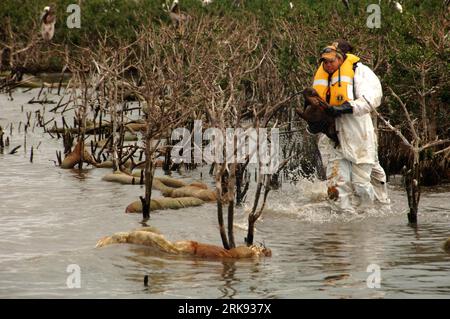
column 27, row 80
column 90, row 129
column 109, row 164
column 35, row 84
column 157, row 163
column 206, row 195
column 122, row 178
column 136, row 127
column 163, row 188
column 176, row 190
column 199, row 185
column 162, row 183
column 186, row 247
column 167, row 181
column 74, row 157
column 164, row 203
column 171, row 182
column 139, row 237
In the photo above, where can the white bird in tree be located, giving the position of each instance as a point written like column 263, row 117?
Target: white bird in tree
column 48, row 20
column 398, row 6
column 206, row 2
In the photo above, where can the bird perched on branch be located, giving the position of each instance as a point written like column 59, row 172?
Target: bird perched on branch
column 48, row 20
column 398, row 6
column 316, row 115
column 206, row 2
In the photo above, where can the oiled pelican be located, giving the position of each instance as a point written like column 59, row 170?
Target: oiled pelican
column 48, row 20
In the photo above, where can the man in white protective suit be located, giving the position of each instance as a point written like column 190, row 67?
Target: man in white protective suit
column 355, row 178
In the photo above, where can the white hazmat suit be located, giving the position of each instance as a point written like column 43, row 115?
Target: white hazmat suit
column 353, row 167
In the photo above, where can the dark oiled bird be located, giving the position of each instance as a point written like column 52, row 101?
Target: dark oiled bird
column 314, row 113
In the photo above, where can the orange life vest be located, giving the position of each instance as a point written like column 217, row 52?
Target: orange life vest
column 339, row 84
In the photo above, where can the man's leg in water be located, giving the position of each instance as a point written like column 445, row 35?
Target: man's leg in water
column 378, row 181
column 361, row 179
column 339, row 183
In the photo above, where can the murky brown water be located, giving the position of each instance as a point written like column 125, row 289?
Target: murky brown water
column 51, row 218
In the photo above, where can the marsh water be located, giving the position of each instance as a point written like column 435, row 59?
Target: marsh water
column 52, row 218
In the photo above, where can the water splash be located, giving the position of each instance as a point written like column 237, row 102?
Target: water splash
column 308, row 200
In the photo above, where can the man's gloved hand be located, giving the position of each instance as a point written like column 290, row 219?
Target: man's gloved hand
column 336, row 111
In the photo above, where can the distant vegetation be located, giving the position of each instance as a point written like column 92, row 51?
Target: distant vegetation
column 410, row 52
